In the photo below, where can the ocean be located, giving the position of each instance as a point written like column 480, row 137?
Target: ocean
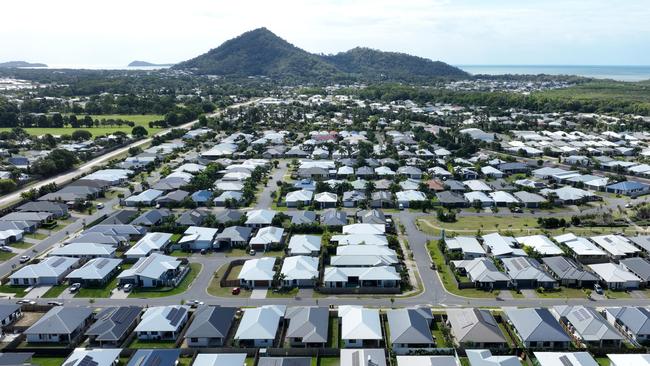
column 621, row 73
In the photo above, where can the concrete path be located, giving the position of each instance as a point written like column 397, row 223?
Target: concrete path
column 37, row 292
column 259, row 293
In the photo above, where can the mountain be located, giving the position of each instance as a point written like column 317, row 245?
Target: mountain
column 377, row 64
column 13, row 64
column 261, row 52
column 137, row 63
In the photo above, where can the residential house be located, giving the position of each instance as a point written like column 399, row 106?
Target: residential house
column 356, row 277
column 478, row 357
column 465, row 247
column 150, row 243
column 9, row 313
column 152, row 217
column 537, row 328
column 582, row 249
column 234, row 236
column 267, row 238
column 472, row 327
column 615, row 276
column 259, row 327
column 640, row 267
column 527, row 273
column 300, row 271
column 304, row 245
column 299, row 198
column 326, row 200
column 257, row 272
column 634, row 322
column 96, row 272
column 95, row 357
column 259, row 218
column 154, row 271
column 210, row 326
column 146, row 198
column 162, row 323
column 155, row 357
column 192, row 218
column 407, row 198
column 334, row 218
column 483, row 273
column 360, row 327
column 113, row 325
column 49, row 271
column 55, row 208
column 587, row 326
column 427, row 360
column 84, row 250
column 410, row 330
column 308, row 326
column 198, row 238
column 220, row 359
column 61, row 324
column 363, row 357
column 569, row 273
column 565, row 358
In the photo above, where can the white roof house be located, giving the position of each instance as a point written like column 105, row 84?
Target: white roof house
column 260, row 269
column 266, row 236
column 410, row 196
column 302, row 196
column 326, row 197
column 376, row 229
column 579, row 245
column 152, row 267
column 95, row 269
column 469, row 246
column 502, row 197
column 300, row 267
column 565, row 358
column 150, row 242
column 616, row 246
column 94, row 357
column 427, row 361
column 477, row 185
column 484, row 357
column 168, row 318
column 198, row 237
column 359, row 323
column 50, row 270
column 84, row 250
column 260, row 322
column 360, row 239
column 146, row 197
column 502, row 245
column 364, row 250
column 259, row 217
column 304, row 244
column 615, row 276
column 479, row 196
column 627, row 359
column 220, row 359
column 541, row 244
column 378, row 273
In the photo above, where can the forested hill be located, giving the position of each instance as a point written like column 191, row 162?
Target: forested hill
column 375, row 64
column 261, row 52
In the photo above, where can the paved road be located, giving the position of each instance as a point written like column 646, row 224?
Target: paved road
column 87, row 167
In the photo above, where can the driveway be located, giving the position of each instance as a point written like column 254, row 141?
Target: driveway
column 37, row 292
column 66, row 294
column 259, row 293
column 119, row 294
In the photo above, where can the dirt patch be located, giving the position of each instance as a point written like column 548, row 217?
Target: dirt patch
column 28, row 319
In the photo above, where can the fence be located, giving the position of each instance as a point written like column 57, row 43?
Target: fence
column 224, row 281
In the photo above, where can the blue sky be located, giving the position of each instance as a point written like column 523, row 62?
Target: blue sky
column 100, row 32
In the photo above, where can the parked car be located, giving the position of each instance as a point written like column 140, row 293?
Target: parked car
column 195, row 303
column 598, row 289
column 28, row 302
column 25, row 258
column 55, row 303
column 236, row 291
column 5, row 249
column 75, row 287
column 127, row 288
column 100, row 206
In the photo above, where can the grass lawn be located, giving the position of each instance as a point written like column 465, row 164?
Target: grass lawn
column 8, row 289
column 329, row 361
column 98, row 292
column 55, row 291
column 283, row 294
column 215, row 288
column 515, row 294
column 175, row 238
column 602, row 361
column 511, row 342
column 617, row 294
column 6, row 255
column 441, row 342
column 250, row 361
column 195, row 268
column 447, row 276
column 151, row 344
column 139, row 120
column 47, row 361
column 333, row 335
column 36, row 236
column 22, row 245
column 238, row 252
column 564, row 292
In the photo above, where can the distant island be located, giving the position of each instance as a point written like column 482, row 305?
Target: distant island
column 13, row 64
column 146, row 64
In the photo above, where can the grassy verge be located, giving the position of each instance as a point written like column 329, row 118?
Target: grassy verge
column 47, row 361
column 36, row 236
column 98, row 292
column 617, row 294
column 138, row 344
column 238, row 252
column 195, row 268
column 282, row 294
column 441, row 342
column 22, row 245
column 564, row 292
column 215, row 288
column 55, row 291
column 17, row 291
column 6, row 255
column 329, row 361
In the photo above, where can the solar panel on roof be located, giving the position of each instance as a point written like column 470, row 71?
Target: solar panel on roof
column 565, row 361
column 120, row 315
column 58, row 262
column 578, row 315
column 102, row 263
column 88, row 361
column 585, row 313
column 175, row 315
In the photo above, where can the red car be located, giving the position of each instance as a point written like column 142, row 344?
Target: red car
column 236, row 290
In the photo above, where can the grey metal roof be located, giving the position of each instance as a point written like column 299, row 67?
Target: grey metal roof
column 639, row 266
column 192, row 217
column 211, row 321
column 474, row 325
column 15, row 358
column 302, row 217
column 227, row 216
column 536, row 325
column 8, row 309
column 636, row 319
column 155, row 357
column 235, row 233
column 590, row 325
column 410, row 326
column 151, row 217
column 111, row 324
column 566, row 268
column 524, row 268
column 284, row 361
column 95, row 269
column 60, row 320
column 334, row 218
column 309, row 323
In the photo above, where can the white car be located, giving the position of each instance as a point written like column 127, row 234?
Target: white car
column 25, row 258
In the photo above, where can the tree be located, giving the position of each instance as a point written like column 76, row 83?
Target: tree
column 81, row 135
column 7, row 185
column 139, row 131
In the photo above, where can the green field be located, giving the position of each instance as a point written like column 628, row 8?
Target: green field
column 138, row 119
column 605, row 90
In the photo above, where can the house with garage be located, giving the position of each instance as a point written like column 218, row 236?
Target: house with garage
column 146, row 198
column 353, row 198
column 151, row 217
column 465, row 247
column 537, row 328
column 334, row 218
column 94, row 357
column 361, row 277
column 257, row 272
column 259, row 218
column 49, row 271
column 308, row 326
column 569, row 273
column 210, row 326
column 326, row 200
column 582, row 249
column 57, row 209
column 616, row 246
column 96, row 272
column 529, row 199
column 640, row 267
column 259, row 327
column 84, row 251
column 150, row 243
column 360, row 327
column 484, row 357
column 527, row 273
column 303, row 217
column 634, row 322
column 482, row 272
column 299, row 198
column 475, row 328
column 304, row 245
column 500, row 246
column 540, row 244
column 268, row 237
column 234, row 236
column 409, row 197
column 410, row 329
column 299, row 271
column 220, row 359
column 61, row 324
column 615, row 276
column 113, row 325
column 155, row 357
column 198, row 238
column 154, row 271
column 162, row 323
column 587, row 326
